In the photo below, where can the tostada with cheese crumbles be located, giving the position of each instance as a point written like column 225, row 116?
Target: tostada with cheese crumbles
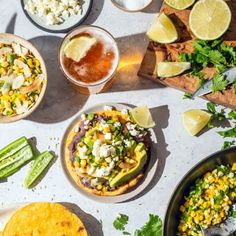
column 106, row 152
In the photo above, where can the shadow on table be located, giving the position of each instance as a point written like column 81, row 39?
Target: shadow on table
column 154, row 7
column 95, row 12
column 92, row 225
column 132, row 49
column 159, row 150
column 61, row 101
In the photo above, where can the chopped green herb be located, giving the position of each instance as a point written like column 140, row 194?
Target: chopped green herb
column 219, row 83
column 232, row 115
column 187, row 96
column 1, row 84
column 11, row 59
column 120, row 222
column 230, row 133
column 216, row 115
column 152, row 228
column 126, row 233
column 228, row 144
column 90, row 116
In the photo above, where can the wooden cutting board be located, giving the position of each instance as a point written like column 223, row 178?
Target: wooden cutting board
column 159, row 52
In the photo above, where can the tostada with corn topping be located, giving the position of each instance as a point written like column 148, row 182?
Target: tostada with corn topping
column 107, row 152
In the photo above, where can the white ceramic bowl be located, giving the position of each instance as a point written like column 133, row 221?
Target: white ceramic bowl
column 9, row 38
column 64, row 27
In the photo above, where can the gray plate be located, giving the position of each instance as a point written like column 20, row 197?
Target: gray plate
column 66, row 26
column 150, row 170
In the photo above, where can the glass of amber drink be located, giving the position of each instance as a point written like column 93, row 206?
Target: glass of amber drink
column 89, row 57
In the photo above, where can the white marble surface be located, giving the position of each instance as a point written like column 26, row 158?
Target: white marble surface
column 177, row 151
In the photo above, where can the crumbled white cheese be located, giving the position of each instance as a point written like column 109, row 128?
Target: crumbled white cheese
column 91, row 170
column 104, row 171
column 132, row 129
column 117, row 124
column 83, row 117
column 96, row 149
column 127, row 143
column 108, row 108
column 86, row 122
column 107, row 136
column 82, row 152
column 124, row 111
column 107, row 150
column 53, row 11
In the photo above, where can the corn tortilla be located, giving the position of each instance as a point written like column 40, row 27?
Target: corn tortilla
column 44, row 219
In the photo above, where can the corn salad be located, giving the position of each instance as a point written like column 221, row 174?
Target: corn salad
column 21, row 79
column 209, row 201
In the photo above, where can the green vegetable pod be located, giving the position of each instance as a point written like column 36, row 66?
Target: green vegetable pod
column 24, row 152
column 13, row 147
column 23, row 156
column 40, row 164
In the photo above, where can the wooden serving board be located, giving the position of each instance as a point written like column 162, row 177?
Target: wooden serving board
column 161, row 52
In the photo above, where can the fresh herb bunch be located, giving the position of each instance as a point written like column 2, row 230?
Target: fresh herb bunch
column 211, row 54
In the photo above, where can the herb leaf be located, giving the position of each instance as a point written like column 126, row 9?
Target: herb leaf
column 219, row 83
column 120, row 222
column 218, row 115
column 228, row 144
column 230, row 133
column 152, row 228
column 187, row 96
column 232, row 115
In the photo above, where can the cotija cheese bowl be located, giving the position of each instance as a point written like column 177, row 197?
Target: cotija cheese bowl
column 23, row 78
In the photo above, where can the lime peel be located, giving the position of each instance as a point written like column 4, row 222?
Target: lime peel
column 142, row 116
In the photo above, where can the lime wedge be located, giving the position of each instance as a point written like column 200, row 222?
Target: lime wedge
column 195, row 120
column 180, row 4
column 77, row 48
column 142, row 116
column 210, row 19
column 169, row 69
column 162, row 30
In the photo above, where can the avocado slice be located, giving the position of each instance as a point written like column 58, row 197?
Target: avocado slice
column 125, row 175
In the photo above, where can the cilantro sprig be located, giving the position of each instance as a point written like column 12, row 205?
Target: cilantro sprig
column 153, row 227
column 120, row 223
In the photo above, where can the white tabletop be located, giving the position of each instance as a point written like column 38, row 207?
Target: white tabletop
column 177, row 151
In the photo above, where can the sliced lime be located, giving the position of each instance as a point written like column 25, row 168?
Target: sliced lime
column 142, row 117
column 169, row 69
column 77, row 48
column 162, row 30
column 195, row 120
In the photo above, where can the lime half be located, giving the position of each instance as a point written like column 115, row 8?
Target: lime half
column 77, row 48
column 142, row 116
column 195, row 120
column 210, row 19
column 180, row 4
column 169, row 69
column 162, row 30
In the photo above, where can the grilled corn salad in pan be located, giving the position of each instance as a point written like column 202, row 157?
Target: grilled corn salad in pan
column 21, row 79
column 209, row 201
